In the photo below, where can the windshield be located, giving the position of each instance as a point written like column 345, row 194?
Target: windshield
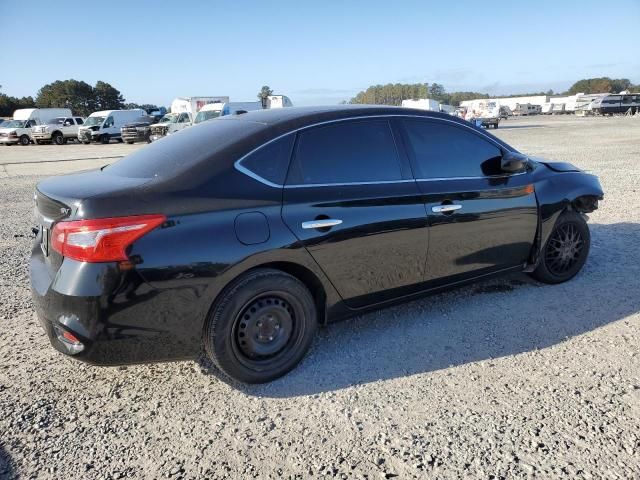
column 208, row 115
column 169, row 118
column 91, row 121
column 15, row 124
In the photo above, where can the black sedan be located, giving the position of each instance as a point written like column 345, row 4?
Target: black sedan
column 244, row 233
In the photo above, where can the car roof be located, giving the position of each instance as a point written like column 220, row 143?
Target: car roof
column 297, row 117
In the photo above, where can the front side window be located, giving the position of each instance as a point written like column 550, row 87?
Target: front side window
column 345, row 152
column 109, row 122
column 184, row 118
column 439, row 150
column 79, row 121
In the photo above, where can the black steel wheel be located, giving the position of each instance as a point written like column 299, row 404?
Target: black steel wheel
column 24, row 140
column 566, row 249
column 105, row 138
column 261, row 326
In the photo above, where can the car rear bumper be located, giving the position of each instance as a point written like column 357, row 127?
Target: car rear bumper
column 116, row 317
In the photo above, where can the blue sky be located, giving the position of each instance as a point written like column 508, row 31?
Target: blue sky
column 315, row 52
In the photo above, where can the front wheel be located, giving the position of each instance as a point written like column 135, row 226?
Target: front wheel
column 58, row 139
column 566, row 250
column 104, row 138
column 261, row 326
column 24, row 140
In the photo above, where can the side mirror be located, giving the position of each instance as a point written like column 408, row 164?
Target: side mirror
column 513, row 162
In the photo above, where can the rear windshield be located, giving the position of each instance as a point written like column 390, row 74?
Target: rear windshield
column 183, row 150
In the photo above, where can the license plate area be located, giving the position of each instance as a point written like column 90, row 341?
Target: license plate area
column 44, row 240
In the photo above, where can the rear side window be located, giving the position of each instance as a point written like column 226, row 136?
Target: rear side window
column 271, row 161
column 439, row 150
column 79, row 121
column 345, row 152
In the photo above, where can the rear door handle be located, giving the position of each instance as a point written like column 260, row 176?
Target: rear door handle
column 445, row 208
column 323, row 223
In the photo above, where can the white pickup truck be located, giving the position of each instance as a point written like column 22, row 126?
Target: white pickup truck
column 58, row 130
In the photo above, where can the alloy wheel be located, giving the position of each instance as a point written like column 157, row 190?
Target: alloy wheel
column 564, row 249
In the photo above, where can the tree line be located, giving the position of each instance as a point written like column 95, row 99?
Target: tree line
column 395, row 93
column 82, row 98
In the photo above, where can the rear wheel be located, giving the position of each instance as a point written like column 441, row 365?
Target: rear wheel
column 24, row 140
column 261, row 326
column 129, row 143
column 566, row 250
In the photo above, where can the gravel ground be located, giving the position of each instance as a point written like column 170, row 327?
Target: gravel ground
column 502, row 379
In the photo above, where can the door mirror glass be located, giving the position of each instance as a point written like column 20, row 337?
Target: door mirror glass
column 513, row 162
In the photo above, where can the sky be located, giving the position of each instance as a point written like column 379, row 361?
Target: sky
column 316, row 52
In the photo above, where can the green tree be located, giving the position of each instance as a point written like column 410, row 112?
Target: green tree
column 73, row 94
column 264, row 92
column 600, row 85
column 107, row 97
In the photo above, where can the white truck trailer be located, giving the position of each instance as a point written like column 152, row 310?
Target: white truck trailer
column 422, row 104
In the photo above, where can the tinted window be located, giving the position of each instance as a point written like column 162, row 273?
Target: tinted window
column 443, row 151
column 345, row 152
column 179, row 153
column 79, row 121
column 108, row 123
column 271, row 161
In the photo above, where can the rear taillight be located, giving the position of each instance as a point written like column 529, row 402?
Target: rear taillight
column 101, row 239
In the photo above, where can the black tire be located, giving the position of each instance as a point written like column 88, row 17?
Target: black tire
column 86, row 143
column 495, row 125
column 104, row 138
column 566, row 250
column 25, row 140
column 119, row 140
column 58, row 138
column 129, row 143
column 261, row 326
column 39, row 142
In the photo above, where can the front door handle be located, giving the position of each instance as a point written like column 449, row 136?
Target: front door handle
column 446, row 208
column 321, row 223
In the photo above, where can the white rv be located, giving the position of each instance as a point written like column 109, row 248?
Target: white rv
column 422, row 104
column 18, row 130
column 104, row 125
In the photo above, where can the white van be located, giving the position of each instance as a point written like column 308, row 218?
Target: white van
column 18, row 130
column 105, row 125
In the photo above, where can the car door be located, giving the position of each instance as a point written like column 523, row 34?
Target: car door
column 481, row 219
column 351, row 200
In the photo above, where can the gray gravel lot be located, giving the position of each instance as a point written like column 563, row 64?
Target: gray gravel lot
column 503, row 379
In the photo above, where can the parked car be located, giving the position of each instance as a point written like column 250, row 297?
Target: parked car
column 58, row 130
column 138, row 131
column 18, row 130
column 105, row 125
column 170, row 123
column 183, row 113
column 225, row 235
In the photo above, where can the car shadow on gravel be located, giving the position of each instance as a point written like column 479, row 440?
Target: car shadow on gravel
column 7, row 469
column 487, row 320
